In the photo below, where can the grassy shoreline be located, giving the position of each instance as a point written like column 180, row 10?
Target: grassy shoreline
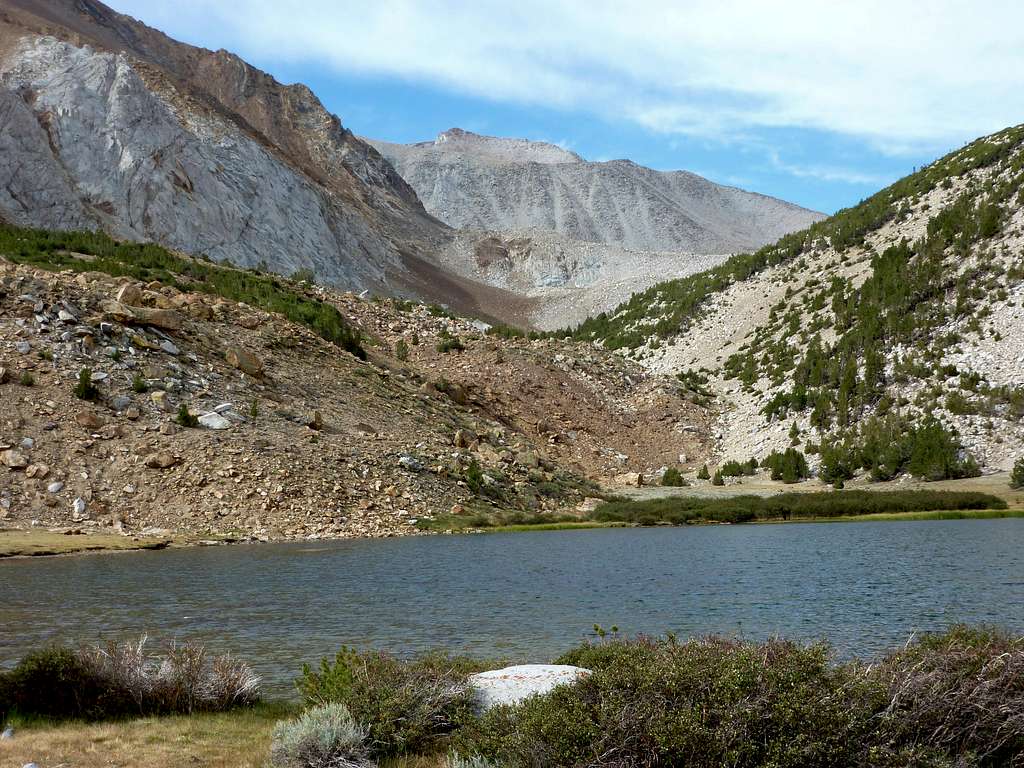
column 48, row 544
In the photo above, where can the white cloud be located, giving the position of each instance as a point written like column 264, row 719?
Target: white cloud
column 904, row 75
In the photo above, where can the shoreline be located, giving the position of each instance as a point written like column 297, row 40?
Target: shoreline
column 116, row 544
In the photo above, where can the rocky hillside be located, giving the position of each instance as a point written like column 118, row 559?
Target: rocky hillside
column 510, row 185
column 110, row 124
column 145, row 391
column 885, row 340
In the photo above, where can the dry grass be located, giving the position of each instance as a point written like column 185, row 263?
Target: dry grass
column 18, row 543
column 236, row 739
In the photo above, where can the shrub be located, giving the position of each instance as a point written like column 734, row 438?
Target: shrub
column 962, row 692
column 450, row 344
column 185, row 417
column 408, row 706
column 139, row 384
column 704, row 703
column 717, row 479
column 27, row 379
column 673, row 478
column 122, row 679
column 84, row 388
column 323, row 737
column 402, row 350
column 703, row 473
column 1017, row 475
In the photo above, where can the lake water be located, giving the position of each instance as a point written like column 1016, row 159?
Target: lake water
column 528, row 596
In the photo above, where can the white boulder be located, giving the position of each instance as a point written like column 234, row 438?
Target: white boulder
column 513, row 684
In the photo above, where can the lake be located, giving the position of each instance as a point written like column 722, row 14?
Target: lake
column 864, row 586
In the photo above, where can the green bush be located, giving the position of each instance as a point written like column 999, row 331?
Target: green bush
column 702, row 703
column 703, row 473
column 673, row 478
column 322, row 737
column 139, row 384
column 402, row 350
column 953, row 700
column 717, row 479
column 407, row 706
column 1017, row 475
column 84, row 388
column 680, row 510
column 185, row 417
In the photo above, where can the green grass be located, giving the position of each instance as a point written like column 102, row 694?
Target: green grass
column 146, row 262
column 680, row 510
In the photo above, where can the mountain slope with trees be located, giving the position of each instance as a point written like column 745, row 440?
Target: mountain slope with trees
column 885, row 339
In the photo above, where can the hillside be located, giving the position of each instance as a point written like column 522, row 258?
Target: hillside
column 889, row 334
column 320, row 414
column 511, row 185
column 109, row 124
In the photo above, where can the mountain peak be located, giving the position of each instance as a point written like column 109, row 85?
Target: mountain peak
column 497, row 149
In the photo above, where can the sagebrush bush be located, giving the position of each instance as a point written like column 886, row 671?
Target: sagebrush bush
column 122, row 678
column 322, row 737
column 673, row 478
column 961, row 692
column 407, row 706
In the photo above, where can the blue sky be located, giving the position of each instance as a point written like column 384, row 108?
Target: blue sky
column 818, row 103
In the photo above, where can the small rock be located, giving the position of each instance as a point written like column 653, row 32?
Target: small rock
column 78, row 507
column 13, row 459
column 410, row 462
column 23, row 347
column 66, row 317
column 37, row 470
column 132, row 413
column 161, row 460
column 88, row 420
column 55, row 487
column 8, row 733
column 160, row 400
column 120, row 402
column 169, row 348
column 27, row 443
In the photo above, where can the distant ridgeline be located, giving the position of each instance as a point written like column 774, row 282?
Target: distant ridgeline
column 848, row 350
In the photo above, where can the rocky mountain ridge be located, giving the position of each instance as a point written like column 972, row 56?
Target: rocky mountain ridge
column 513, row 185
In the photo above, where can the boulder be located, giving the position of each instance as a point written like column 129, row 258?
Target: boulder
column 214, row 421
column 130, row 295
column 631, row 479
column 88, row 420
column 161, row 460
column 512, row 685
column 244, row 361
column 167, row 319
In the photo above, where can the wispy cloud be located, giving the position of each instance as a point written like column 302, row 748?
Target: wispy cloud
column 900, row 75
column 828, row 173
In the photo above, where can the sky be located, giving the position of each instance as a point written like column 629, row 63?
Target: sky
column 821, row 103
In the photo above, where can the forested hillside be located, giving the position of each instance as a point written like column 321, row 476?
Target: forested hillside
column 886, row 337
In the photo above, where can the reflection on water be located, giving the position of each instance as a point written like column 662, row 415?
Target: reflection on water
column 528, row 596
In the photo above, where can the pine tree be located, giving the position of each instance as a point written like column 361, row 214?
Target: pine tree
column 703, row 474
column 1017, row 475
column 717, row 479
column 794, row 434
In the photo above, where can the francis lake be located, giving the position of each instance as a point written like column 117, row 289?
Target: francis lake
column 864, row 586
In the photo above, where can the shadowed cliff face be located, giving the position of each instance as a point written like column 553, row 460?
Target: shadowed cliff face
column 110, row 123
